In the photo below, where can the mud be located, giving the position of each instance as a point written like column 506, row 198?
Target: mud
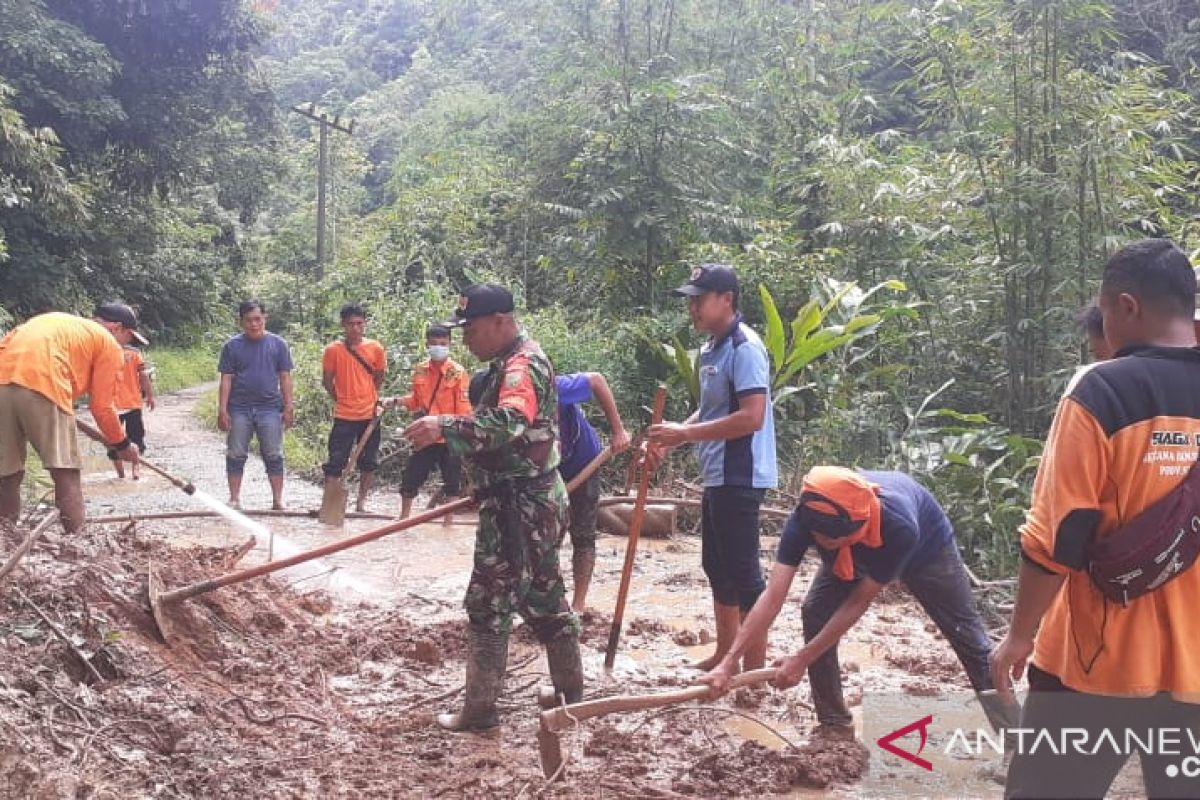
column 324, row 683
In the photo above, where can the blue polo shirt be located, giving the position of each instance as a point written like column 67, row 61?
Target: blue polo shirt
column 733, row 367
column 914, row 530
column 577, row 439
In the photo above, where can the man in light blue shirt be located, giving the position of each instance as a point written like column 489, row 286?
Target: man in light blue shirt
column 734, row 433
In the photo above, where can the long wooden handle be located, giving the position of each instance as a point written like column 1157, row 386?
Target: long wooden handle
column 561, row 717
column 596, row 463
column 635, row 530
column 360, row 445
column 184, row 592
column 92, row 433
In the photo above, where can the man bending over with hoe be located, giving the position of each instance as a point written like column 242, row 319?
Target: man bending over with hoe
column 870, row 528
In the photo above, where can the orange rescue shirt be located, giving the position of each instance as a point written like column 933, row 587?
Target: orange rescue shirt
column 451, row 382
column 63, row 357
column 353, row 386
column 129, row 387
column 1124, row 435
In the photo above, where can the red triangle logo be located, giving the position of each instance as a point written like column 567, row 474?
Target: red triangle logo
column 886, row 742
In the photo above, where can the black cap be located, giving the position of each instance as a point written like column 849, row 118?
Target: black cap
column 709, row 278
column 119, row 312
column 481, row 300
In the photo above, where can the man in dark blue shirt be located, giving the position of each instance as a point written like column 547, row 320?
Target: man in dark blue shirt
column 579, row 444
column 255, row 399
column 870, row 528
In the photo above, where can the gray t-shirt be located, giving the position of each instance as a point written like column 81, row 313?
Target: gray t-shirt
column 255, row 366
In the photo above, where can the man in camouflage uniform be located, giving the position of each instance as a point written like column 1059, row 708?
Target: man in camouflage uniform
column 511, row 448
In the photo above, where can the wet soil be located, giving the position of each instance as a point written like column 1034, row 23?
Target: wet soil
column 321, row 681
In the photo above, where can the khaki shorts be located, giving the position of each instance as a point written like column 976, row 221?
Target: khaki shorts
column 27, row 417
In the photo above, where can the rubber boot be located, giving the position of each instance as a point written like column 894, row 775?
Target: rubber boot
column 583, row 562
column 566, row 667
column 486, row 660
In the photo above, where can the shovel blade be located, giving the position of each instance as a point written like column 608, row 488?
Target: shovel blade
column 154, row 587
column 549, row 753
column 333, row 504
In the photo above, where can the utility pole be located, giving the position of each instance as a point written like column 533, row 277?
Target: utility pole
column 322, row 119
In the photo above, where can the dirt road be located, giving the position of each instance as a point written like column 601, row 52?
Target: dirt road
column 323, row 682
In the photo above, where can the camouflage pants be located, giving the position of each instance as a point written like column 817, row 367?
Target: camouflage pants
column 585, row 502
column 516, row 562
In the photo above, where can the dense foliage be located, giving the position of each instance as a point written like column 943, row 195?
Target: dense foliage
column 981, row 155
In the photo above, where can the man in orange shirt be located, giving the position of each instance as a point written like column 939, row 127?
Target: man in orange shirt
column 352, row 372
column 45, row 365
column 439, row 386
column 1125, row 435
column 133, row 388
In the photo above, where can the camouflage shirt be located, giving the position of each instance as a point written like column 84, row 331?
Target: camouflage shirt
column 514, row 433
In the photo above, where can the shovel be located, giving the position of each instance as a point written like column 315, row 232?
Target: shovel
column 160, row 598
column 333, row 501
column 555, row 720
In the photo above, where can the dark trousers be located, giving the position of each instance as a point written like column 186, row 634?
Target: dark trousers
column 942, row 588
column 421, row 464
column 729, row 544
column 343, row 438
column 1039, row 771
column 584, row 502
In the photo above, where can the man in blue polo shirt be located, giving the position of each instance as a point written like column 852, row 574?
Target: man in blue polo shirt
column 870, row 528
column 734, row 434
column 579, row 444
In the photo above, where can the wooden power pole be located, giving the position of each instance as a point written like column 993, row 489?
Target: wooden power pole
column 323, row 120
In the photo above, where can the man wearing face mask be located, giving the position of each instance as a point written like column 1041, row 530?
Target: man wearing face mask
column 439, row 386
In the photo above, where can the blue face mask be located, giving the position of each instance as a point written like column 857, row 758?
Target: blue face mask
column 439, row 352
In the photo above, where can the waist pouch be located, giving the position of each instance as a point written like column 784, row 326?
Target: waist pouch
column 1151, row 549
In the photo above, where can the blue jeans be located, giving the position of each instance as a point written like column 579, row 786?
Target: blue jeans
column 267, row 425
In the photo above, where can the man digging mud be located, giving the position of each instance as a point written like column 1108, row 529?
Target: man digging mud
column 45, row 365
column 580, row 444
column 511, row 444
column 734, row 433
column 870, row 528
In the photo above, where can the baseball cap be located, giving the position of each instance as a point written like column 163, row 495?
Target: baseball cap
column 481, row 300
column 119, row 312
column 709, row 278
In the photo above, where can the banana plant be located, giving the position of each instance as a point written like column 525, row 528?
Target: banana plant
column 813, row 333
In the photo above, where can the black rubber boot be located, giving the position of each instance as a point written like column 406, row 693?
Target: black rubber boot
column 486, row 660
column 566, row 667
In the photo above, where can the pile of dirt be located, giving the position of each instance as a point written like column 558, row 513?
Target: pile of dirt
column 266, row 692
column 932, row 666
column 754, row 769
column 257, row 683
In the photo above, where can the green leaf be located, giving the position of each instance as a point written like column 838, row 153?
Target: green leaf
column 775, row 342
column 806, row 321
